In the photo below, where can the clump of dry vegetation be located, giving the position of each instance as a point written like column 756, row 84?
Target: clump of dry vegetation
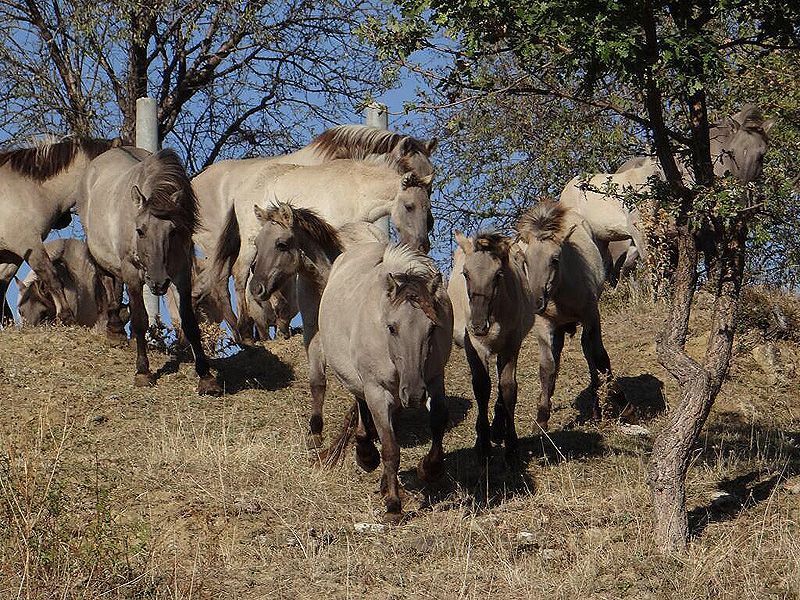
column 114, row 491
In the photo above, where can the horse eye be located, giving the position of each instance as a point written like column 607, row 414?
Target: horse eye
column 554, row 261
column 409, row 207
column 392, row 329
column 466, row 275
column 139, row 232
column 282, row 246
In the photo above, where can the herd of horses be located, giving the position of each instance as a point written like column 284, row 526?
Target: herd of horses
column 297, row 232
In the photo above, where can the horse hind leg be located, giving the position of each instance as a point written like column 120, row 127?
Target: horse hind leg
column 367, row 455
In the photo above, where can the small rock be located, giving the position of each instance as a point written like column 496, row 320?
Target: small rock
column 369, row 527
column 526, row 537
column 793, row 487
column 636, row 430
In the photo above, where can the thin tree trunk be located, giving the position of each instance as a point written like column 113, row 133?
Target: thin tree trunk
column 699, row 384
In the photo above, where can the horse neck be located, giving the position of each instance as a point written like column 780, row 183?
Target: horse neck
column 511, row 292
column 378, row 190
column 317, row 260
column 62, row 188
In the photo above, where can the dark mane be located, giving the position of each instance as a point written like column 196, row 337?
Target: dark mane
column 416, row 291
column 165, row 174
column 43, row 161
column 493, row 242
column 545, row 220
column 318, row 228
column 361, row 141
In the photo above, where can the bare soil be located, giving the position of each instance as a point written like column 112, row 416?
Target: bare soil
column 107, row 490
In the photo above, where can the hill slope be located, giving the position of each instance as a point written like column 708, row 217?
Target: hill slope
column 162, row 493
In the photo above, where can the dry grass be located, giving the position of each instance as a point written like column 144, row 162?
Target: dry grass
column 107, row 490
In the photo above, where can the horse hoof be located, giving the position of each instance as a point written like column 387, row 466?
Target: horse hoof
column 498, row 432
column 483, row 449
column 367, row 456
column 429, row 470
column 144, row 380
column 208, row 386
column 393, row 518
column 314, row 441
column 66, row 317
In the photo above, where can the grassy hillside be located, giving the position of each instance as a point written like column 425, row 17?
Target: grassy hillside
column 112, row 491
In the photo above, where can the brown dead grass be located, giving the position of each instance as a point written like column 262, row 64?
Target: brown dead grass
column 107, row 490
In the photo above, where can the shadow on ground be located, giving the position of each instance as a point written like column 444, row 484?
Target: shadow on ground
column 485, row 484
column 254, row 368
column 413, row 424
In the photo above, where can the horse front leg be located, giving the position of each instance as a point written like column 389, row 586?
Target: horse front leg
column 143, row 377
column 431, row 465
column 381, row 406
column 191, row 332
column 551, row 342
column 367, row 456
column 507, row 374
column 40, row 262
column 481, row 387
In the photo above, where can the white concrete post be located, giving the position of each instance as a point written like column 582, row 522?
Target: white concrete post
column 147, row 138
column 377, row 115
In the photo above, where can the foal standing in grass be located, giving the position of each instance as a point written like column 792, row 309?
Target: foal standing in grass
column 493, row 312
column 566, row 275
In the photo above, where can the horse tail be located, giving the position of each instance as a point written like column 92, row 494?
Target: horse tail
column 229, row 242
column 334, row 455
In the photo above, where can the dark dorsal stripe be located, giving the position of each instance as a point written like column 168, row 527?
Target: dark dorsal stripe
column 44, row 161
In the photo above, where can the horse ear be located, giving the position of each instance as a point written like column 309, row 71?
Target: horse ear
column 403, row 147
column 286, row 214
column 175, row 198
column 431, row 145
column 395, row 283
column 20, row 284
column 767, row 125
column 260, row 213
column 427, row 181
column 407, row 180
column 435, row 283
column 464, row 242
column 138, row 197
column 733, row 124
column 569, row 233
column 116, row 142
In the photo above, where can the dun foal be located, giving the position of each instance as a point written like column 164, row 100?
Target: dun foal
column 493, row 311
column 566, row 275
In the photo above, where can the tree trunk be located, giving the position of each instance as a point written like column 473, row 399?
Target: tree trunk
column 699, row 384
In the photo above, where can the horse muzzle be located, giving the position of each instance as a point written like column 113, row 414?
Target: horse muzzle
column 411, row 397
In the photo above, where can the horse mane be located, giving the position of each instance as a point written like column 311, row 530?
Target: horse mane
column 418, row 273
column 363, row 142
column 492, row 242
column 543, row 221
column 313, row 225
column 167, row 176
column 46, row 159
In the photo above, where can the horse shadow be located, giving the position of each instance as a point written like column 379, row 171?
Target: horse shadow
column 635, row 399
column 412, row 425
column 750, row 489
column 254, row 368
column 477, row 484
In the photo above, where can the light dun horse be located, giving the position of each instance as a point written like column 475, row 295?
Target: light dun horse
column 36, row 195
column 492, row 312
column 566, row 275
column 386, row 326
column 84, row 286
column 343, row 191
column 738, row 145
column 347, row 193
column 293, row 242
column 139, row 213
